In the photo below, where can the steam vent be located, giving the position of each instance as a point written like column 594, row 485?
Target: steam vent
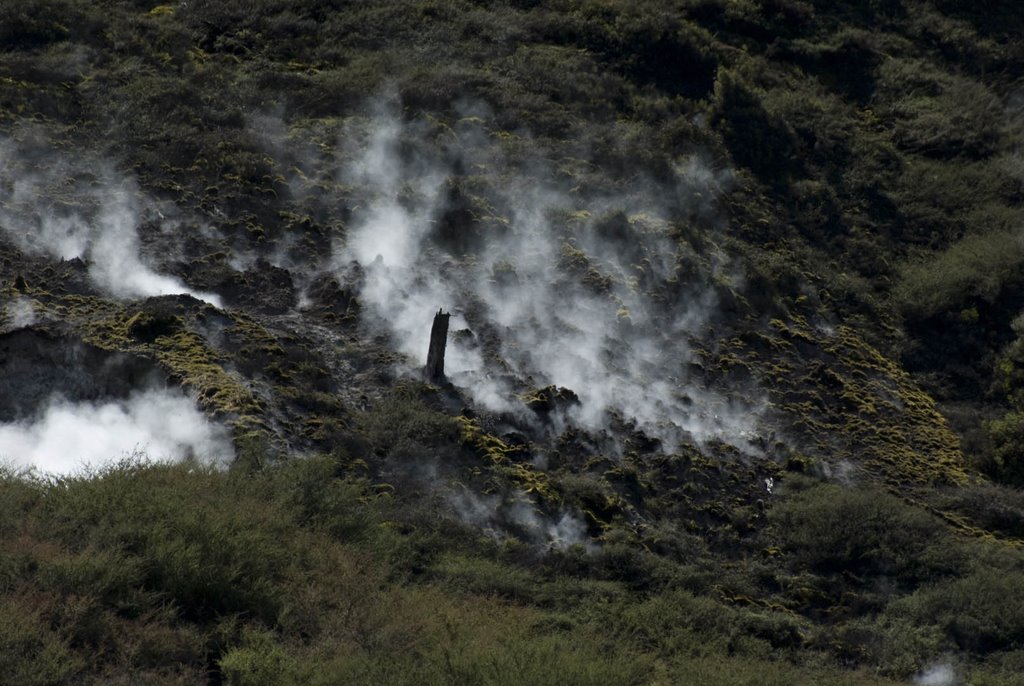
column 35, row 363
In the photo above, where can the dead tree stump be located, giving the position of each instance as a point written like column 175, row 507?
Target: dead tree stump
column 434, row 370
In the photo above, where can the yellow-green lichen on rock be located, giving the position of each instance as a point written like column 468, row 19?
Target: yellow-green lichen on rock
column 501, row 460
column 184, row 354
column 849, row 403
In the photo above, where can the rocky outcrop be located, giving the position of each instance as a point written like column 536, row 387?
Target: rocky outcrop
column 36, row 365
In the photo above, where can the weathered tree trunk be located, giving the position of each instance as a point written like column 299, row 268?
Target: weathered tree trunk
column 438, row 340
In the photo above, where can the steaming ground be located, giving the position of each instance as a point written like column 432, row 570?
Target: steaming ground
column 66, row 207
column 941, row 674
column 19, row 313
column 595, row 291
column 71, row 438
column 495, row 516
column 607, row 290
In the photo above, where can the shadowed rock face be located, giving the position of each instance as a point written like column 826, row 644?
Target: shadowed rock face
column 36, row 365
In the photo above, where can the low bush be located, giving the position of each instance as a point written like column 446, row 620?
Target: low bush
column 402, row 424
column 30, row 651
column 209, row 559
column 36, row 23
column 977, row 268
column 993, row 507
column 860, row 533
column 677, row 623
column 980, row 613
column 939, row 114
column 745, row 671
column 1006, row 436
column 896, row 647
column 755, row 138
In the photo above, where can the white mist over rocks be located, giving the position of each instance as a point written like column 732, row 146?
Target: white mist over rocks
column 495, row 515
column 595, row 291
column 72, row 438
column 68, row 207
column 19, row 313
column 937, row 675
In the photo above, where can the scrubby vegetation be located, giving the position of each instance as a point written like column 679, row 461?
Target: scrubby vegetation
column 301, row 574
column 297, row 575
column 375, row 529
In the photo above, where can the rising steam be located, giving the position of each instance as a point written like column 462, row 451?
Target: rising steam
column 939, row 674
column 596, row 291
column 67, row 438
column 495, row 515
column 67, row 207
column 19, row 313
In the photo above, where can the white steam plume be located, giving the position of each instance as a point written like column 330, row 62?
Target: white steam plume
column 388, row 242
column 53, row 204
column 19, row 313
column 941, row 674
column 495, row 515
column 69, row 438
column 585, row 293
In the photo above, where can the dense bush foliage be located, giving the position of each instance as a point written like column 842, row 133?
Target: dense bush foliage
column 176, row 574
column 863, row 533
column 294, row 575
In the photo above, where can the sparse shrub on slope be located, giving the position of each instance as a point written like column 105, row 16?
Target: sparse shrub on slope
column 30, row 652
column 755, row 138
column 976, row 269
column 938, row 114
column 1006, row 436
column 404, row 427
column 981, row 613
column 862, row 533
column 35, row 23
column 993, row 507
column 958, row 305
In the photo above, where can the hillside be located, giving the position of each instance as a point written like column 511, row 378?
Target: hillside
column 735, row 371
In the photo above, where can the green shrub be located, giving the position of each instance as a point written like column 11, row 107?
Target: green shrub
column 35, row 23
column 718, row 670
column 548, row 660
column 487, row 577
column 999, row 18
column 259, row 661
column 759, row 20
column 654, row 47
column 1008, row 377
column 1006, row 436
column 756, row 139
column 677, row 623
column 30, row 652
column 848, row 62
column 980, row 613
column 402, row 424
column 898, row 647
column 1000, row 669
column 942, row 202
column 937, row 113
column 19, row 494
column 957, row 40
column 958, row 304
column 106, row 575
column 993, row 507
column 979, row 267
column 220, row 555
column 864, row 532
